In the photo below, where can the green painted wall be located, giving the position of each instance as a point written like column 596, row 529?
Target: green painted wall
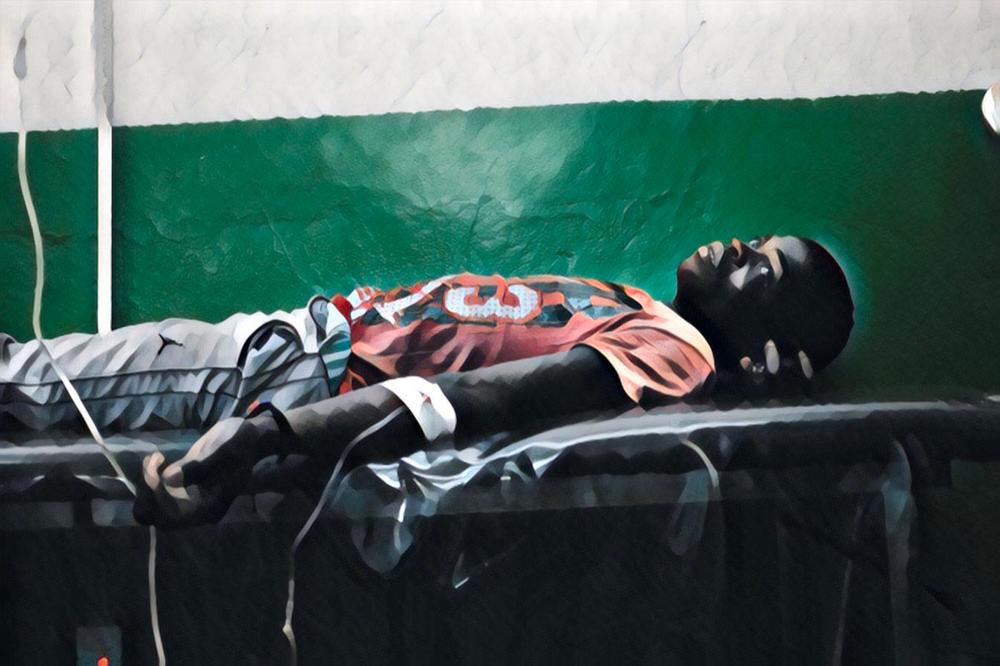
column 214, row 218
column 63, row 176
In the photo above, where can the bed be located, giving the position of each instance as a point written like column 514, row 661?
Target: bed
column 843, row 533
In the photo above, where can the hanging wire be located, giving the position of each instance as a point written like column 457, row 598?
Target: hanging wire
column 20, row 70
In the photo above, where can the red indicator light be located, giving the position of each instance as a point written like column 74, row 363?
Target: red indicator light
column 103, row 661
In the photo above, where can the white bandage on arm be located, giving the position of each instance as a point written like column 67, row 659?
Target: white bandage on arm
column 428, row 404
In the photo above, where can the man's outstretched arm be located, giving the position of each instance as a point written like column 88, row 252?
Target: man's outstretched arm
column 520, row 396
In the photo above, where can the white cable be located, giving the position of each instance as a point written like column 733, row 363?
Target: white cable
column 330, row 484
column 36, row 312
column 713, row 473
column 36, row 324
column 154, row 615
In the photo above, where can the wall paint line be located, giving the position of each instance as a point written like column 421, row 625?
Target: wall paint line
column 104, row 63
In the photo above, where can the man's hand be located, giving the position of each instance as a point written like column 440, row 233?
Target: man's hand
column 771, row 371
column 200, row 487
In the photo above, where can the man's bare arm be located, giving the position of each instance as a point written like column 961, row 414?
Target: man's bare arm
column 520, row 396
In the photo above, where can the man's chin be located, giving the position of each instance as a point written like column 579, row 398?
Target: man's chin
column 686, row 268
column 690, row 277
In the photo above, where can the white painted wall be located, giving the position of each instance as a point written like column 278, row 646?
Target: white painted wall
column 236, row 59
column 59, row 87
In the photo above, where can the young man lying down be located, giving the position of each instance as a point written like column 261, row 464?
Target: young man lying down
column 463, row 355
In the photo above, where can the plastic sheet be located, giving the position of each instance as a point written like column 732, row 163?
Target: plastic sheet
column 639, row 459
column 826, row 534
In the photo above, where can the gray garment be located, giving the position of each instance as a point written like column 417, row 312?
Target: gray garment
column 176, row 373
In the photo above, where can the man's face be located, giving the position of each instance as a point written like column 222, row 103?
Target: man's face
column 716, row 274
column 732, row 286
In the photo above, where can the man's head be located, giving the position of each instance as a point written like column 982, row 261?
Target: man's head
column 781, row 288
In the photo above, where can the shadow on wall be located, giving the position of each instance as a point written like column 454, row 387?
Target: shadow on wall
column 219, row 217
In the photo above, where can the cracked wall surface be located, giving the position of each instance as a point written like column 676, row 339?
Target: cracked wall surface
column 64, row 188
column 274, row 204
column 59, row 87
column 236, row 60
column 213, row 218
